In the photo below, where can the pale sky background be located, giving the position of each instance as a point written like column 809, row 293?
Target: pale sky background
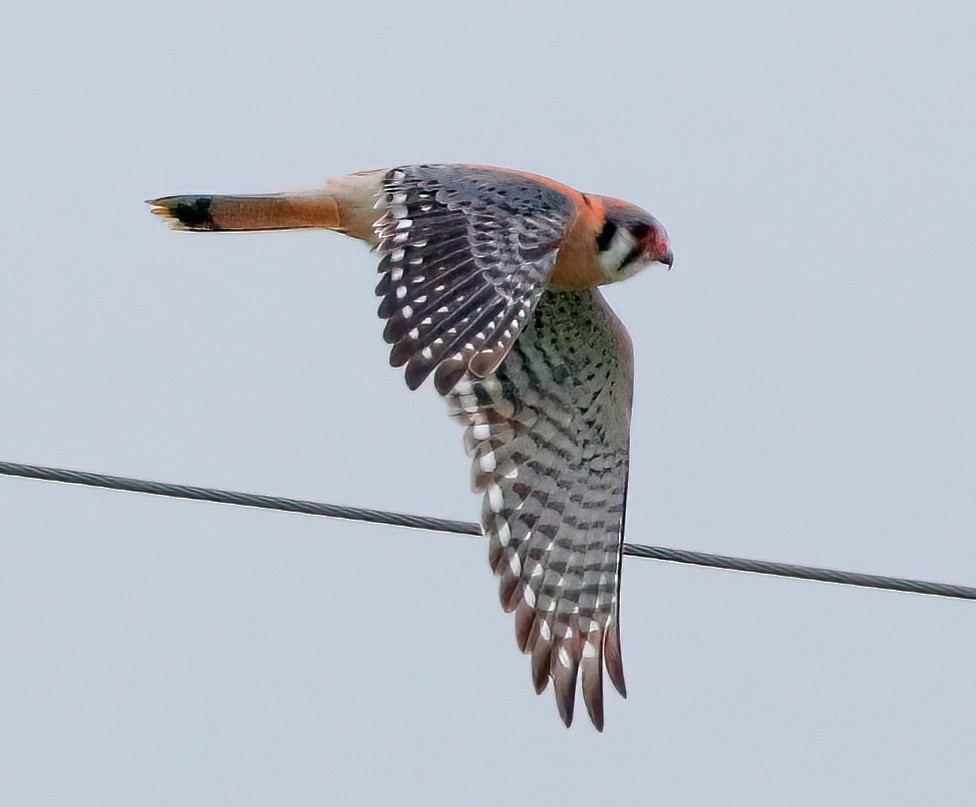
column 805, row 392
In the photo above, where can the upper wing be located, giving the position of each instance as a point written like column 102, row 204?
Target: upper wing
column 465, row 253
column 550, row 433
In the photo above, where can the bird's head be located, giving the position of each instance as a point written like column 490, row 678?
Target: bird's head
column 630, row 240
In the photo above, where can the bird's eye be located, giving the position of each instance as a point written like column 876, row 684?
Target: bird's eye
column 639, row 231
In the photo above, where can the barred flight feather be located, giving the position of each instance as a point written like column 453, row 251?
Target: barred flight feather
column 454, row 244
column 549, row 437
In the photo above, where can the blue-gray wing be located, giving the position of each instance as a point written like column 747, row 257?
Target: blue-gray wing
column 465, row 253
column 549, row 433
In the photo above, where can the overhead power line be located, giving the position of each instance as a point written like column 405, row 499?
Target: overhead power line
column 313, row 508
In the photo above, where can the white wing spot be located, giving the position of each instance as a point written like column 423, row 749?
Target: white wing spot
column 487, row 462
column 495, row 498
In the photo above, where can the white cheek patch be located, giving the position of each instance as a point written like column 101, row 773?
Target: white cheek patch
column 612, row 258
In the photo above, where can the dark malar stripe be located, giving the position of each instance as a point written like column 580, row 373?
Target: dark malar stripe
column 631, row 256
column 606, row 235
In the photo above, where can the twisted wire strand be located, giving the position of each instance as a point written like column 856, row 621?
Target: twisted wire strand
column 313, row 508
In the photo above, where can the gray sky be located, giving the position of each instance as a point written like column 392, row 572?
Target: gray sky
column 805, row 392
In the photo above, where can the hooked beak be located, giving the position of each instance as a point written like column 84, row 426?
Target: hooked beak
column 667, row 259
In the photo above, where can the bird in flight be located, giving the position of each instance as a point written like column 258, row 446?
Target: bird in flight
column 488, row 282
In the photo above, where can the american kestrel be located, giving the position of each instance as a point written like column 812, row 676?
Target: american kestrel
column 488, row 280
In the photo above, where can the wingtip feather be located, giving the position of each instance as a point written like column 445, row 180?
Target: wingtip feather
column 591, row 669
column 613, row 660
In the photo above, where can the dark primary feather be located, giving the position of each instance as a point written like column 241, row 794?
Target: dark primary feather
column 549, row 434
column 465, row 253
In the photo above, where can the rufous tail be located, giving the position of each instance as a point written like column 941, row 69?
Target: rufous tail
column 279, row 211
